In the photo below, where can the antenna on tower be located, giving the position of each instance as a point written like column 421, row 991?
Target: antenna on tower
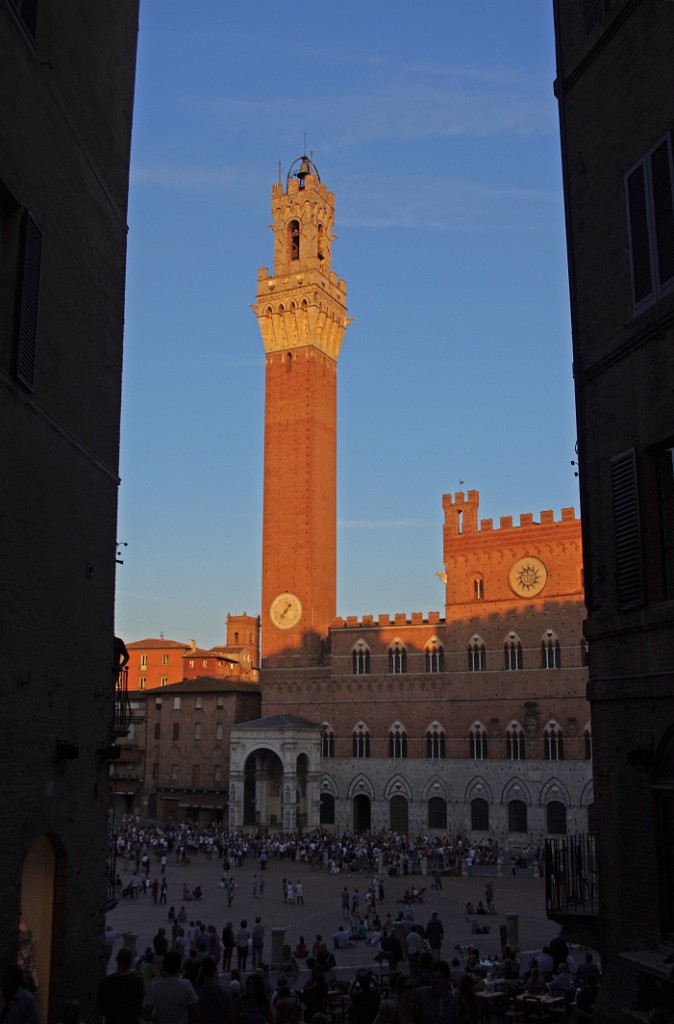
column 305, row 142
column 279, row 172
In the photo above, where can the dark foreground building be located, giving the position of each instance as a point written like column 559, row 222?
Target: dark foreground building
column 615, row 85
column 67, row 71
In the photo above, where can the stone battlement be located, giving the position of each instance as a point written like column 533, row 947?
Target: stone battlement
column 399, row 619
column 461, row 516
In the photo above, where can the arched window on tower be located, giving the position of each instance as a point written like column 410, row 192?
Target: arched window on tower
column 294, row 239
column 553, row 743
column 361, row 741
column 515, row 742
column 434, row 656
column 551, row 654
column 435, row 742
column 360, row 659
column 477, row 655
column 320, row 249
column 478, row 588
column 478, row 742
column 397, row 741
column 327, row 741
column 512, row 650
column 397, row 658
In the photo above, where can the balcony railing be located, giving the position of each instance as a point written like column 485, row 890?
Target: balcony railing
column 122, row 720
column 571, row 875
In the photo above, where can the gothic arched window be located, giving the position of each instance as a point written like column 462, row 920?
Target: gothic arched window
column 477, row 655
column 361, row 741
column 360, row 659
column 434, row 656
column 478, row 742
column 397, row 658
column 512, row 650
column 435, row 741
column 551, row 655
column 515, row 742
column 397, row 741
column 553, row 743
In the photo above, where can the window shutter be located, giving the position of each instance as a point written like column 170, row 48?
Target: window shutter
column 637, row 211
column 663, row 209
column 30, row 303
column 629, row 574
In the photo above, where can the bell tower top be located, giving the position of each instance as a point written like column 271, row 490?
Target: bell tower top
column 304, row 214
column 303, row 302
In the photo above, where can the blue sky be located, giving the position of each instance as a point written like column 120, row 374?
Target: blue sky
column 436, row 127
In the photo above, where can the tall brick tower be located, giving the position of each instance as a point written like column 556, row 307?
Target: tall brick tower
column 301, row 309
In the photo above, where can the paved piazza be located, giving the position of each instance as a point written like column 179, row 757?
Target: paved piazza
column 322, row 912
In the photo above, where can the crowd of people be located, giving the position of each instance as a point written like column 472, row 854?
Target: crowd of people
column 137, row 845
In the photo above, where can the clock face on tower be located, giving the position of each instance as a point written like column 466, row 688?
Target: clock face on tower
column 528, row 576
column 285, row 611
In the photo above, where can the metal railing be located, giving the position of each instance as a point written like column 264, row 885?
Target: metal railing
column 122, row 720
column 571, row 875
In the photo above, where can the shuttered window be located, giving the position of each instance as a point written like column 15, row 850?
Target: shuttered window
column 628, row 559
column 30, row 303
column 650, row 218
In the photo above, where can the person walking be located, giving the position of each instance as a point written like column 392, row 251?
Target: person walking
column 435, row 933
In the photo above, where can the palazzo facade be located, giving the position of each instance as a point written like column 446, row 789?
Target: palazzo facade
column 471, row 720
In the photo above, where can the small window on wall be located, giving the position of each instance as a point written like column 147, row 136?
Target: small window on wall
column 143, row 661
column 478, row 588
column 198, row 703
column 219, row 732
column 294, row 239
column 164, row 681
column 157, row 730
column 142, row 682
column 217, row 773
column 220, row 701
column 176, row 703
column 197, row 730
column 176, row 730
column 650, row 223
column 164, row 659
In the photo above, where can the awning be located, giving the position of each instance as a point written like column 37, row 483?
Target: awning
column 120, row 787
